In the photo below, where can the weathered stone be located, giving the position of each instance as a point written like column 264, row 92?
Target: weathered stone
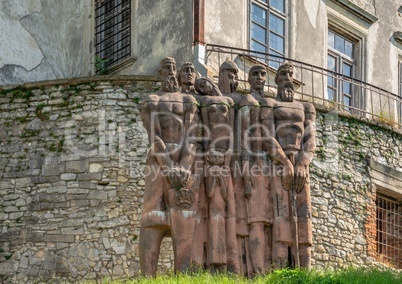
column 45, row 180
column 95, row 168
column 59, row 238
column 89, row 176
column 67, row 177
column 52, row 170
column 80, row 166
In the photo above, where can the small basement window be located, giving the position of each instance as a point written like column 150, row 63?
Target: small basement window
column 389, row 231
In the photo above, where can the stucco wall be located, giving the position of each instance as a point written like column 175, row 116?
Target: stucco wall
column 161, row 30
column 71, row 178
column 43, row 40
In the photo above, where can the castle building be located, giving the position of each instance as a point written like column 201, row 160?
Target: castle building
column 72, row 144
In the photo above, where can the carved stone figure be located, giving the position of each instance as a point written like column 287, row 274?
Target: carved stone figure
column 250, row 203
column 171, row 185
column 291, row 127
column 187, row 78
column 256, row 179
column 217, row 114
column 228, row 77
column 228, row 82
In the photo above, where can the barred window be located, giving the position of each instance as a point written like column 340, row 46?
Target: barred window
column 267, row 28
column 112, row 33
column 389, row 231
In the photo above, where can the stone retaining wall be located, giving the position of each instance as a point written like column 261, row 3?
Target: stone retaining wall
column 71, row 181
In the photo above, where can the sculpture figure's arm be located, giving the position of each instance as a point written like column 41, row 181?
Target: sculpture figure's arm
column 150, row 118
column 306, row 154
column 189, row 147
column 231, row 120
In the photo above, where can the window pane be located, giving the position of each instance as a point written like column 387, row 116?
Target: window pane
column 277, row 24
column 278, row 4
column 339, row 44
column 349, row 48
column 347, row 70
column 277, row 43
column 346, row 100
column 259, row 15
column 331, row 39
column 258, row 33
column 347, row 87
column 257, row 47
column 331, row 63
column 331, row 94
column 275, row 61
column 330, row 81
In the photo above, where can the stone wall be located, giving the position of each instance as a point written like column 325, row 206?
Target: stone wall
column 71, row 181
column 343, row 191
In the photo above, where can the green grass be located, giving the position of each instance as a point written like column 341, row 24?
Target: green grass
column 285, row 276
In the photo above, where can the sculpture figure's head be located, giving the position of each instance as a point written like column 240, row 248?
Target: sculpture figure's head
column 256, row 77
column 228, row 75
column 207, row 87
column 168, row 75
column 284, row 80
column 187, row 76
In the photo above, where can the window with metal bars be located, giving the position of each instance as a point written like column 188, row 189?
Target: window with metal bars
column 389, row 231
column 112, row 33
column 267, row 28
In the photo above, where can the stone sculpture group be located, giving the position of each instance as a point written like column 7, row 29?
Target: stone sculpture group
column 227, row 173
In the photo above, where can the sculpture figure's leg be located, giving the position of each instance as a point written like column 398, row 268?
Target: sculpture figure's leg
column 305, row 226
column 149, row 247
column 257, row 247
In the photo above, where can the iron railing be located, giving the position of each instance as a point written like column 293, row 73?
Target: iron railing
column 389, row 231
column 368, row 101
column 112, row 32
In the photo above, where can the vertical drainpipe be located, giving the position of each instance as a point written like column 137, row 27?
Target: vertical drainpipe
column 291, row 29
column 199, row 42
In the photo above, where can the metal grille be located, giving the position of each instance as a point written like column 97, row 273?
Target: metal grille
column 389, row 231
column 369, row 101
column 112, row 33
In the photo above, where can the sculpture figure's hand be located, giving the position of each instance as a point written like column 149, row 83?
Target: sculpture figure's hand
column 173, row 176
column 300, row 177
column 287, row 175
column 249, row 183
column 184, row 176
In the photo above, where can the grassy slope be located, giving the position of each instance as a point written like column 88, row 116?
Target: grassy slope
column 348, row 276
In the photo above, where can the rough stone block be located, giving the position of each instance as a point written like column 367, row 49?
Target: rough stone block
column 16, row 215
column 79, row 203
column 59, row 238
column 50, row 179
column 72, row 231
column 101, row 195
column 22, row 182
column 87, row 185
column 52, row 170
column 89, row 176
column 95, row 168
column 77, row 166
column 66, row 177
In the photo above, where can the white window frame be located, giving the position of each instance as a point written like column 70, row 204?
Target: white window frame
column 269, row 9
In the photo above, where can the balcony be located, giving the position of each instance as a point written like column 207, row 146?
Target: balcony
column 325, row 88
